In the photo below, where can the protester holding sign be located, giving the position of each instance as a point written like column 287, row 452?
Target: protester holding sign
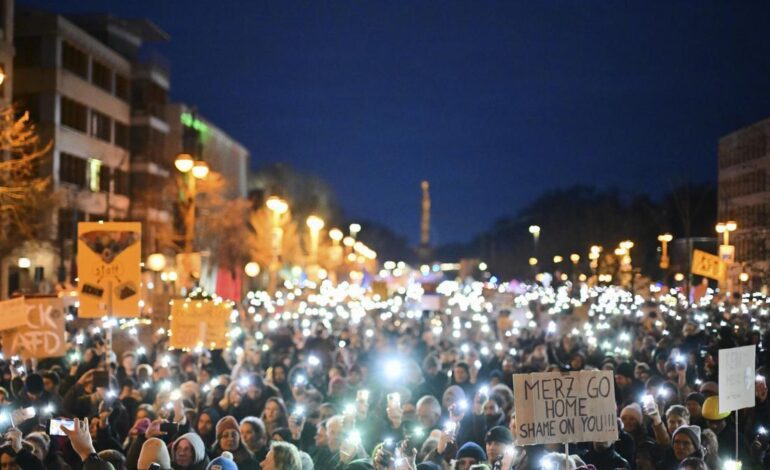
column 340, row 378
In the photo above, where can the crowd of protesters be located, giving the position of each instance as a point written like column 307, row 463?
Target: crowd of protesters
column 340, row 383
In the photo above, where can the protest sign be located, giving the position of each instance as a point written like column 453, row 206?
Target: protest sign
column 555, row 407
column 199, row 323
column 217, row 325
column 737, row 374
column 187, row 329
column 108, row 269
column 708, row 265
column 42, row 335
column 13, row 313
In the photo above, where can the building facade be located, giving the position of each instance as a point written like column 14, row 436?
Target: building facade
column 744, row 195
column 194, row 134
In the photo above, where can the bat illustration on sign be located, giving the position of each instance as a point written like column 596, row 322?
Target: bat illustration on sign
column 109, row 244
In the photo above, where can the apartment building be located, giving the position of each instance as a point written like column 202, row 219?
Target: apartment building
column 744, row 195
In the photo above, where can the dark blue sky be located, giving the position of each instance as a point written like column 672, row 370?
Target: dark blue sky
column 493, row 102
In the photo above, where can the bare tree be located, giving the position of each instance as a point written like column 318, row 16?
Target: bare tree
column 25, row 196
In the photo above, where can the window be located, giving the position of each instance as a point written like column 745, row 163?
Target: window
column 74, row 60
column 101, row 76
column 68, row 223
column 104, row 178
column 95, row 175
column 72, row 170
column 122, row 87
column 121, row 182
column 101, row 126
column 74, row 115
column 121, row 135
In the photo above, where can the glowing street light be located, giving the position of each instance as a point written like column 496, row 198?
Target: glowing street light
column 200, row 169
column 354, row 229
column 558, row 259
column 725, row 229
column 336, row 235
column 532, row 261
column 664, row 240
column 575, row 258
column 534, row 230
column 251, row 269
column 314, row 224
column 156, row 262
column 184, row 162
column 278, row 207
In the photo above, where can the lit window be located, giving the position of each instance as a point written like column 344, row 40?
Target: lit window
column 94, row 172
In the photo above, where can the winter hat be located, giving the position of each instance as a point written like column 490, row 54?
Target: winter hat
column 196, row 442
column 499, row 434
column 228, row 422
column 693, row 432
column 709, row 388
column 696, row 397
column 223, row 462
column 34, row 384
column 633, row 410
column 471, row 450
column 625, row 369
column 428, row 466
column 153, row 451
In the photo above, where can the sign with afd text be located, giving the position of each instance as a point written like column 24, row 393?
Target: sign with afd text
column 708, row 265
column 42, row 334
column 559, row 407
column 109, row 273
column 737, row 375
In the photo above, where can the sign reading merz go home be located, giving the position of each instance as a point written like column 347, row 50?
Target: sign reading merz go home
column 556, row 407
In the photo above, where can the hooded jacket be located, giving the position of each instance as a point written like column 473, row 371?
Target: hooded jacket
column 201, row 460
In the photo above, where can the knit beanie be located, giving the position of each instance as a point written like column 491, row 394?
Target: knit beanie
column 625, row 369
column 228, row 422
column 223, row 462
column 471, row 450
column 499, row 434
column 693, row 432
column 153, row 451
column 633, row 410
column 696, row 397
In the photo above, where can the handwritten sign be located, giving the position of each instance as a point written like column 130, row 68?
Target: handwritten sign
column 707, row 265
column 199, row 324
column 13, row 313
column 554, row 407
column 42, row 335
column 737, row 374
column 108, row 268
column 217, row 325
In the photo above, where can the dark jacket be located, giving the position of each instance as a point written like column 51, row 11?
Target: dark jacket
column 606, row 458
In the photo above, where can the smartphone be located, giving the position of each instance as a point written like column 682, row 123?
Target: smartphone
column 169, row 428
column 101, row 379
column 56, row 424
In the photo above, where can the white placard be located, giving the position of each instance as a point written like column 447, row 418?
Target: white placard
column 556, row 407
column 737, row 374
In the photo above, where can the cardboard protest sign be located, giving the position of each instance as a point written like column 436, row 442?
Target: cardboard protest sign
column 217, row 325
column 187, row 329
column 109, row 268
column 708, row 265
column 737, row 375
column 199, row 323
column 42, row 335
column 555, row 407
column 13, row 313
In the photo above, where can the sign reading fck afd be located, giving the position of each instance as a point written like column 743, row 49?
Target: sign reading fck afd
column 556, row 407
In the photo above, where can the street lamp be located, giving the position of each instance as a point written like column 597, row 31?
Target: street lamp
column 251, row 269
column 191, row 170
column 575, row 258
column 532, row 261
column 315, row 224
column 184, row 162
column 156, row 262
column 277, row 207
column 557, row 259
column 725, row 229
column 336, row 235
column 664, row 240
column 354, row 229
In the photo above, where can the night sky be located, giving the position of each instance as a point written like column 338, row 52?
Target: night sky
column 493, row 102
